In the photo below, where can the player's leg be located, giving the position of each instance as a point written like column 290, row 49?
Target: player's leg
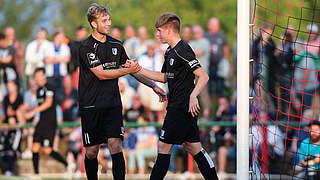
column 118, row 164
column 35, row 156
column 91, row 162
column 55, row 155
column 114, row 131
column 161, row 166
column 205, row 163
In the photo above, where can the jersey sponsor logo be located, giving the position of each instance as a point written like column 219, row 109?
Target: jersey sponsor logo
column 114, row 51
column 169, row 75
column 162, row 134
column 171, row 61
column 109, row 65
column 92, row 58
column 193, row 63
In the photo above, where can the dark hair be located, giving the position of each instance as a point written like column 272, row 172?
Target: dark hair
column 287, row 37
column 39, row 69
column 43, row 29
column 95, row 10
column 168, row 19
column 2, row 36
column 82, row 27
column 187, row 26
column 314, row 122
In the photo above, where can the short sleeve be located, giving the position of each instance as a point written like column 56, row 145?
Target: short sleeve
column 124, row 56
column 88, row 57
column 188, row 59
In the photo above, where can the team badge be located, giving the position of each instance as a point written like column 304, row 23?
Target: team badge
column 114, row 51
column 171, row 61
column 91, row 56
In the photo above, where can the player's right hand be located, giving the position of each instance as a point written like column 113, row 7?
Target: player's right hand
column 132, row 66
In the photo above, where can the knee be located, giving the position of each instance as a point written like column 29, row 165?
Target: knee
column 35, row 148
column 114, row 145
column 47, row 151
column 92, row 153
column 164, row 148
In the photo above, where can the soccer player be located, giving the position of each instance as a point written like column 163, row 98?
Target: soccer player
column 46, row 127
column 180, row 124
column 101, row 57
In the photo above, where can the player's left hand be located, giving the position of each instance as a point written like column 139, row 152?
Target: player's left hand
column 161, row 93
column 194, row 107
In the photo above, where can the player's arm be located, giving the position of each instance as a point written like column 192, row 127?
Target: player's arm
column 44, row 106
column 144, row 80
column 113, row 73
column 203, row 78
column 153, row 75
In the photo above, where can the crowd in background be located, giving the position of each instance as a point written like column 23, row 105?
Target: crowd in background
column 140, row 104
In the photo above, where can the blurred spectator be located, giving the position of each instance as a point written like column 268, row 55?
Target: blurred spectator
column 126, row 93
column 131, row 45
column 219, row 50
column 201, row 48
column 142, row 43
column 225, row 112
column 187, row 33
column 81, row 34
column 74, row 157
column 225, row 152
column 298, row 44
column 7, row 66
column 309, row 157
column 56, row 67
column 38, row 52
column 9, row 144
column 153, row 60
column 116, row 33
column 307, row 65
column 137, row 109
column 19, row 52
column 132, row 41
column 284, row 54
column 263, row 52
column 70, row 100
column 146, row 147
column 12, row 103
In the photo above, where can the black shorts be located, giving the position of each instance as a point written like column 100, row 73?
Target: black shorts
column 99, row 125
column 44, row 136
column 179, row 127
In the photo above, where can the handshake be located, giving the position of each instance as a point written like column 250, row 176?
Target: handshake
column 132, row 66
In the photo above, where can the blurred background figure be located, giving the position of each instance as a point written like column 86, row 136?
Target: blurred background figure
column 187, row 33
column 116, row 33
column 152, row 60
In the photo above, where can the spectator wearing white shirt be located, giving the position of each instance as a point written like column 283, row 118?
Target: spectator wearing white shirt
column 143, row 39
column 56, row 68
column 152, row 60
column 38, row 52
column 201, row 47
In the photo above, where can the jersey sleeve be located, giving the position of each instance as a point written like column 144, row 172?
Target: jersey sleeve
column 124, row 56
column 189, row 59
column 88, row 57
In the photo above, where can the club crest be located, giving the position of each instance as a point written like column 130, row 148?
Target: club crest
column 171, row 61
column 114, row 51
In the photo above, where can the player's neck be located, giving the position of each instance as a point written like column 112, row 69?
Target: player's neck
column 98, row 36
column 174, row 41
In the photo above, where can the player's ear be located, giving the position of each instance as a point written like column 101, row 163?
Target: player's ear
column 94, row 24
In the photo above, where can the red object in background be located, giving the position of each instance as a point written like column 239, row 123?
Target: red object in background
column 265, row 153
column 190, row 163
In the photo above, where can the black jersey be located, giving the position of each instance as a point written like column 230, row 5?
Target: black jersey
column 179, row 64
column 95, row 93
column 48, row 116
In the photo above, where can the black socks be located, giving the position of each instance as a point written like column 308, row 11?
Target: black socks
column 118, row 166
column 160, row 168
column 206, row 165
column 91, row 168
column 35, row 161
column 58, row 157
